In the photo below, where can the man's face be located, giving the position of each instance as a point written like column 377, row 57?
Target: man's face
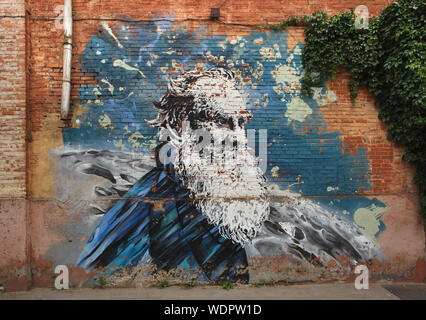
column 218, row 167
column 220, row 135
column 224, row 98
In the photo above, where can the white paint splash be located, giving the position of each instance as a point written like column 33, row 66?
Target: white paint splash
column 235, row 40
column 288, row 81
column 331, row 96
column 269, row 53
column 297, row 109
column 121, row 64
column 274, row 171
column 169, row 52
column 275, row 191
column 323, row 96
column 330, row 189
column 109, row 30
column 110, row 86
column 368, row 220
column 288, row 77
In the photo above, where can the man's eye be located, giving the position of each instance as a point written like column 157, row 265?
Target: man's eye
column 223, row 121
column 203, row 116
column 241, row 121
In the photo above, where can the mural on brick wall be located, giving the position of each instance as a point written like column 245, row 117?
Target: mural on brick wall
column 269, row 181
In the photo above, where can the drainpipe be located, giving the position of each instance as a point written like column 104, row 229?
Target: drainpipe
column 66, row 79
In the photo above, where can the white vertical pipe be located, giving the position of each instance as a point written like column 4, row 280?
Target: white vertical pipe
column 66, row 79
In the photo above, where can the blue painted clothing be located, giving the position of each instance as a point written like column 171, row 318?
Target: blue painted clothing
column 173, row 232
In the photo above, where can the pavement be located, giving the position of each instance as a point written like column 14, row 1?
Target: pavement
column 330, row 291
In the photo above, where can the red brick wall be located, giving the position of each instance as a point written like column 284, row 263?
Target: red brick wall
column 13, row 214
column 30, row 86
column 12, row 99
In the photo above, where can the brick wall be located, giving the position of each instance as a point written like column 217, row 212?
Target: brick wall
column 14, row 266
column 31, row 81
column 46, row 60
column 12, row 100
column 46, row 73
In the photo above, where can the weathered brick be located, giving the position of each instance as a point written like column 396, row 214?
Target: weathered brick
column 31, row 81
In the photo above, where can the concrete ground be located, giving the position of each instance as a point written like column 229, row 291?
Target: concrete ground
column 332, row 291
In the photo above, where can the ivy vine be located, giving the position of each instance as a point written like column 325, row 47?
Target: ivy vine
column 388, row 58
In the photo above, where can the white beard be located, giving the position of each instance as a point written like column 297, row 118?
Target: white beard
column 229, row 191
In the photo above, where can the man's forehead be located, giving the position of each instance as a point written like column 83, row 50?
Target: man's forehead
column 221, row 94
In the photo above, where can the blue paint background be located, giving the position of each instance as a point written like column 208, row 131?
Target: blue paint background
column 316, row 155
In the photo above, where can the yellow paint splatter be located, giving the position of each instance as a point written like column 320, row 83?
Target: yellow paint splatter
column 105, row 121
column 368, row 220
column 274, row 171
column 120, row 144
